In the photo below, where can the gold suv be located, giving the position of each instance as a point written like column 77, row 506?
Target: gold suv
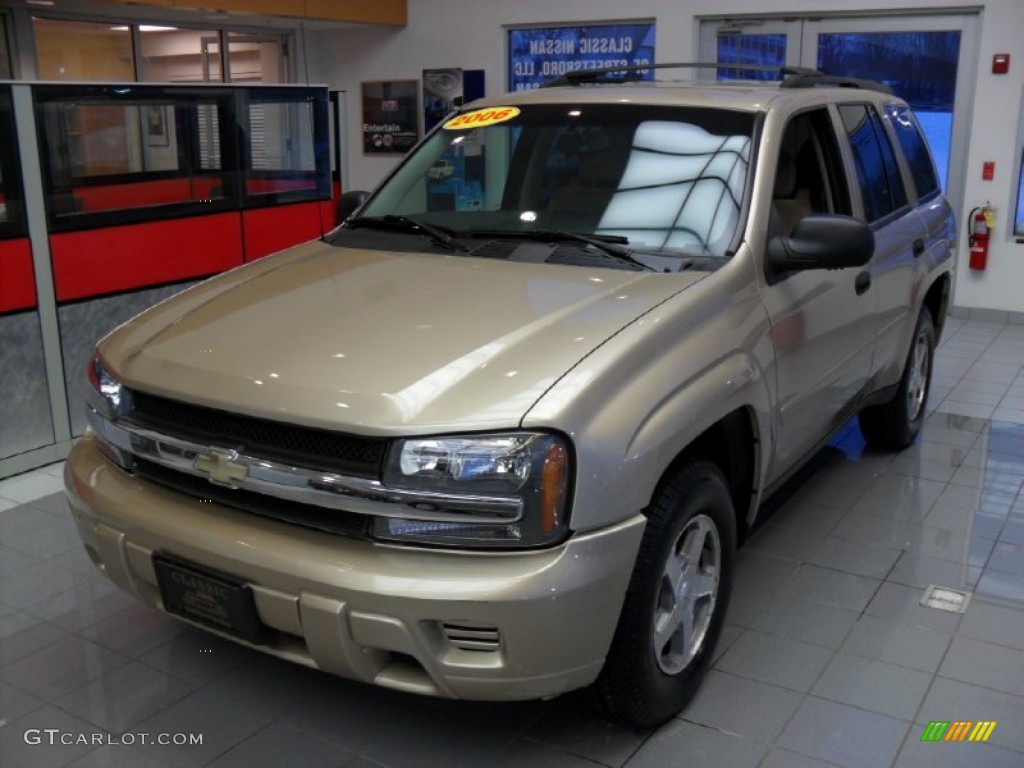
column 499, row 434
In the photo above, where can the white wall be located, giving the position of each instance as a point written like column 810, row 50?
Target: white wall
column 470, row 34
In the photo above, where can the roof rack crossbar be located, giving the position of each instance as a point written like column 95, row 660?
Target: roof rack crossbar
column 793, row 77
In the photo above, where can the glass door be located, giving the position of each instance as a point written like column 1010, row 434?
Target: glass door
column 758, row 42
column 929, row 60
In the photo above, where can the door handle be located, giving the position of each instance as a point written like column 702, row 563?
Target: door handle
column 918, row 247
column 863, row 282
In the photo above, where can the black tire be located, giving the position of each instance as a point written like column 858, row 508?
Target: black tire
column 893, row 426
column 650, row 673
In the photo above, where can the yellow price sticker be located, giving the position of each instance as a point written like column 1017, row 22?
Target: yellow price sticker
column 481, row 117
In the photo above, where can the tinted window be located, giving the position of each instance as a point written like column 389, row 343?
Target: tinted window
column 12, row 220
column 877, row 172
column 915, row 149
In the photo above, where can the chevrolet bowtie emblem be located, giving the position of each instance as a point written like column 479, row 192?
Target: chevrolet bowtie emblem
column 221, row 466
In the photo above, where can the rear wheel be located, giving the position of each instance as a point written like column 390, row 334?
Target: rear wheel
column 676, row 600
column 894, row 425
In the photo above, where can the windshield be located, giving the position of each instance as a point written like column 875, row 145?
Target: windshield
column 667, row 180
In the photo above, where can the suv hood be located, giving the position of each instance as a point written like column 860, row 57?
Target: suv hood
column 380, row 342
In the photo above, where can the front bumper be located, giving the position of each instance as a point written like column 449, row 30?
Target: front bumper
column 495, row 625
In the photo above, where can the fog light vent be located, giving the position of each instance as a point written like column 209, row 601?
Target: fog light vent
column 946, row 599
column 472, row 637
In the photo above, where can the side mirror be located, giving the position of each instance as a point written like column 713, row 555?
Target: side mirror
column 350, row 202
column 820, row 241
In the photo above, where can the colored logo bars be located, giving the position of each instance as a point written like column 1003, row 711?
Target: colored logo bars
column 958, row 730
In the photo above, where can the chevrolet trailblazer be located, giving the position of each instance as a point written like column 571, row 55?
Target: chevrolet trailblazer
column 500, row 439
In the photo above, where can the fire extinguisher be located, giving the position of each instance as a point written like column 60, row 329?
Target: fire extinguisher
column 981, row 222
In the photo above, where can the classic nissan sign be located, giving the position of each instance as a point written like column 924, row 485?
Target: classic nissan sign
column 538, row 54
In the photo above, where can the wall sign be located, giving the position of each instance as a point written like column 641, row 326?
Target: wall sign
column 444, row 90
column 538, row 54
column 390, row 116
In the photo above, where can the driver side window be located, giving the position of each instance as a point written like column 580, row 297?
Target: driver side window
column 809, row 176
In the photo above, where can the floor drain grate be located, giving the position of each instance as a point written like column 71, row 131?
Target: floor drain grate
column 946, row 599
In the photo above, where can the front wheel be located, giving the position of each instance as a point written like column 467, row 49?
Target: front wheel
column 676, row 601
column 894, row 425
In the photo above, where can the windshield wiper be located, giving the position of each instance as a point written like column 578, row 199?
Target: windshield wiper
column 437, row 235
column 610, row 245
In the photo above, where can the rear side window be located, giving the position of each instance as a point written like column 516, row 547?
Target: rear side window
column 880, row 182
column 909, row 135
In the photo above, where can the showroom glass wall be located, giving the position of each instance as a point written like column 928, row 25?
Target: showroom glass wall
column 68, row 49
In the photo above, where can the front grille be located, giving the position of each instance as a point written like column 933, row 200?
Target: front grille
column 308, row 515
column 272, row 440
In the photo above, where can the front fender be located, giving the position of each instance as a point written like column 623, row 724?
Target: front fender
column 637, row 401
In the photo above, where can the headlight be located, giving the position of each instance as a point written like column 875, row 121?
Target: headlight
column 106, row 401
column 107, row 395
column 530, row 467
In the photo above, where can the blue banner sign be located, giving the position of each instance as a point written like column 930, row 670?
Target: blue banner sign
column 539, row 54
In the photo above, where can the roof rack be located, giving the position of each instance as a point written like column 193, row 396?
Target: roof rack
column 793, row 77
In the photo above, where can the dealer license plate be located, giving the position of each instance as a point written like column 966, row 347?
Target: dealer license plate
column 208, row 598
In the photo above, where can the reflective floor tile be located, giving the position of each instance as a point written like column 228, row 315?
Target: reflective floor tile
column 985, row 664
column 785, row 662
column 915, row 570
column 783, row 758
column 824, row 585
column 946, row 754
column 743, row 707
column 844, row 735
column 817, row 623
column 702, row 747
column 281, row 746
column 45, row 737
column 123, row 698
column 953, row 700
column 897, row 642
column 896, row 601
column 61, row 667
column 874, row 685
column 855, row 557
column 219, row 727
column 569, row 724
column 1002, row 625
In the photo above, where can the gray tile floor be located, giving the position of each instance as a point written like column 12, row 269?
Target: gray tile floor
column 828, row 657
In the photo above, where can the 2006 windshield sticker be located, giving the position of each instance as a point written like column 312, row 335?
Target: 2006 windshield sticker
column 481, row 117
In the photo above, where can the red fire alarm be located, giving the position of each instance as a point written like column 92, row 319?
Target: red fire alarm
column 1000, row 63
column 988, row 170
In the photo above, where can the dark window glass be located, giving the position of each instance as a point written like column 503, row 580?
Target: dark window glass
column 916, row 150
column 12, row 214
column 5, row 53
column 877, row 172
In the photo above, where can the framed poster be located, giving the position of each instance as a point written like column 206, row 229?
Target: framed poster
column 390, row 116
column 445, row 90
column 539, row 54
